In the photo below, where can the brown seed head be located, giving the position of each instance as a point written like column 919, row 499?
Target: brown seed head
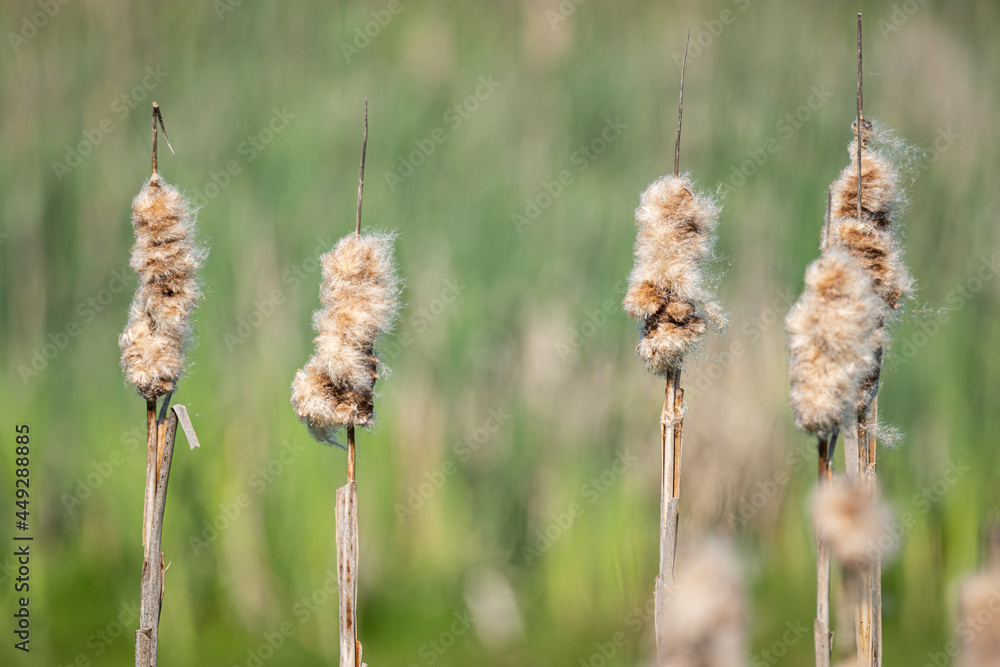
column 675, row 239
column 831, row 340
column 166, row 259
column 359, row 296
column 872, row 239
column 979, row 609
column 708, row 611
column 853, row 525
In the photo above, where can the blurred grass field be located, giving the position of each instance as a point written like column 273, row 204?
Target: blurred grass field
column 509, row 496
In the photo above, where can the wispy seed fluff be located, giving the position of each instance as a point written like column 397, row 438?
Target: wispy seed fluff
column 855, row 528
column 830, row 339
column 359, row 296
column 979, row 627
column 667, row 291
column 872, row 239
column 166, row 258
column 706, row 623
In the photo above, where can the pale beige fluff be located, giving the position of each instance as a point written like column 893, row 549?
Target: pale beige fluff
column 855, row 528
column 979, row 619
column 166, row 259
column 667, row 290
column 359, row 295
column 871, row 239
column 706, row 618
column 831, row 340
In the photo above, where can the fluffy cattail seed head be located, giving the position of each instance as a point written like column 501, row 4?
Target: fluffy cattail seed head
column 667, row 290
column 359, row 296
column 872, row 238
column 831, row 341
column 166, row 259
column 978, row 608
column 852, row 524
column 707, row 614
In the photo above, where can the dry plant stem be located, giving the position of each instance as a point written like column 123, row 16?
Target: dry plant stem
column 347, row 508
column 823, row 638
column 361, row 177
column 151, row 447
column 670, row 430
column 347, row 573
column 350, row 455
column 680, row 109
column 875, row 584
column 869, row 613
column 153, row 569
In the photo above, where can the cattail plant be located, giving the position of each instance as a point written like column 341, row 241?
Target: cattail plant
column 855, row 530
column 866, row 198
column 708, row 611
column 830, row 345
column 334, row 391
column 979, row 625
column 166, row 259
column 669, row 296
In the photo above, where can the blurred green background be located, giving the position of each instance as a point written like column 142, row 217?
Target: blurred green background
column 515, row 388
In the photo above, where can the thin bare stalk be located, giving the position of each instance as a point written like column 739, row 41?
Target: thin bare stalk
column 347, row 509
column 869, row 612
column 669, row 504
column 670, row 446
column 361, row 177
column 153, row 568
column 347, row 573
column 822, row 636
column 680, row 109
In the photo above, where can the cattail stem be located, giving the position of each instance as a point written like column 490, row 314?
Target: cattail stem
column 823, row 638
column 151, row 447
column 680, row 109
column 670, row 443
column 153, row 567
column 861, row 117
column 361, row 177
column 350, row 454
column 158, row 116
